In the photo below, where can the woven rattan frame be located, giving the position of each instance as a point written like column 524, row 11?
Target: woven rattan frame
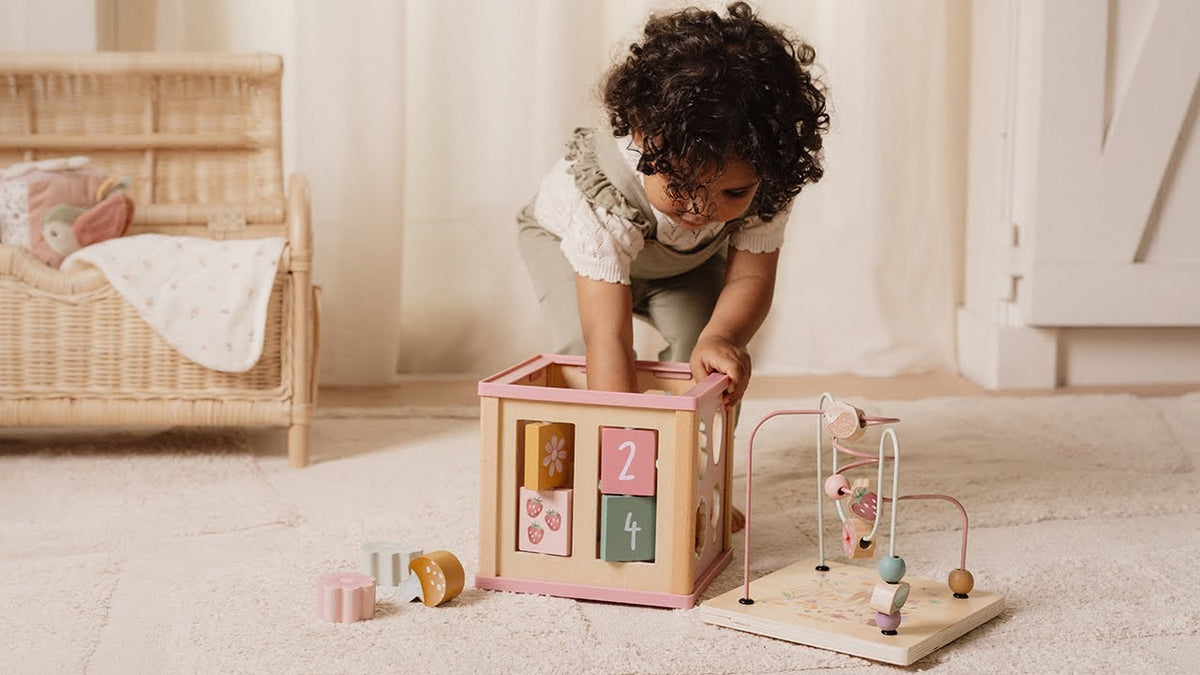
column 200, row 134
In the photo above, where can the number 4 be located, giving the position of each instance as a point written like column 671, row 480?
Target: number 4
column 632, row 528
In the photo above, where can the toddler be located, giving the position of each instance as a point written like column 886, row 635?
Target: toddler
column 675, row 209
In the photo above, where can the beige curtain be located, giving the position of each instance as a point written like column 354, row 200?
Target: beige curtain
column 424, row 126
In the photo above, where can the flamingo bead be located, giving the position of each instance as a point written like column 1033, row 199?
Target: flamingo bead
column 837, row 486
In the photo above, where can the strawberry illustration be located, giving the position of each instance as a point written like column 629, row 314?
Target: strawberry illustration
column 536, row 533
column 533, row 506
column 864, row 504
column 553, row 520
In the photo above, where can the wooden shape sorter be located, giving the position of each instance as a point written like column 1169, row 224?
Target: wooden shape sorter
column 545, row 521
column 680, row 553
column 549, row 451
column 627, row 461
column 831, row 610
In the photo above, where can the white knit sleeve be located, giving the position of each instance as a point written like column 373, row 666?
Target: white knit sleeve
column 599, row 245
column 757, row 236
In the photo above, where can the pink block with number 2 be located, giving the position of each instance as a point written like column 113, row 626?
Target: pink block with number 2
column 627, row 461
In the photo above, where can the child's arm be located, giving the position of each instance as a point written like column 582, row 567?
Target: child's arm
column 606, row 314
column 741, row 309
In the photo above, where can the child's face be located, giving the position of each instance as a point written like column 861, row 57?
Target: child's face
column 724, row 196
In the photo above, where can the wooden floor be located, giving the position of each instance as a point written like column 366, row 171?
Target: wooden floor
column 458, row 391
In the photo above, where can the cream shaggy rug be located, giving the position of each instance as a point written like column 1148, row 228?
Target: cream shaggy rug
column 184, row 551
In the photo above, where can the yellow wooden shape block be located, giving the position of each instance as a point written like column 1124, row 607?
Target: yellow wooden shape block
column 549, row 455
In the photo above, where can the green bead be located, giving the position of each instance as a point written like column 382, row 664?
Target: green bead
column 891, row 568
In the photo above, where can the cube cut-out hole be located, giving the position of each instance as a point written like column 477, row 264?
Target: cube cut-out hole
column 718, row 435
column 701, row 525
column 716, row 513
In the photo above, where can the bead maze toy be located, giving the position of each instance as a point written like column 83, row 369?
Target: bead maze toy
column 844, row 607
column 620, row 497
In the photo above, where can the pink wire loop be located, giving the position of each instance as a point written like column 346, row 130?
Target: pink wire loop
column 962, row 559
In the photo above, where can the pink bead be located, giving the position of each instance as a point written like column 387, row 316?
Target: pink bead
column 835, row 484
column 345, row 597
column 887, row 621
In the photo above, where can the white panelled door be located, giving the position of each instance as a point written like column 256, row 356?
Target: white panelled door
column 1106, row 192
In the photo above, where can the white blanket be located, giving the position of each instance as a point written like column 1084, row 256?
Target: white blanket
column 208, row 299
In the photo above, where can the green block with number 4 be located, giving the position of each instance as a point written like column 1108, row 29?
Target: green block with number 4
column 626, row 528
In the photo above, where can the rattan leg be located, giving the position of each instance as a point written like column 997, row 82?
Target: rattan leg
column 298, row 440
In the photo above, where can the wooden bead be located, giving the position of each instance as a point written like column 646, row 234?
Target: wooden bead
column 844, row 421
column 888, row 598
column 834, row 486
column 891, row 568
column 961, row 582
column 853, row 532
column 888, row 623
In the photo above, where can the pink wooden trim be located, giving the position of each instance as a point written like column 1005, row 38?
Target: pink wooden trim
column 501, row 385
column 605, row 594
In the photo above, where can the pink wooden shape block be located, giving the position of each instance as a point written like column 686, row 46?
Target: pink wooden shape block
column 345, row 597
column 627, row 461
column 545, row 522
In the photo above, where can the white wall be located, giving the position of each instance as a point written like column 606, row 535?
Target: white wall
column 1060, row 253
column 424, row 126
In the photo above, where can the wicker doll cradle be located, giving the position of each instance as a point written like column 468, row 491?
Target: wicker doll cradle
column 200, row 134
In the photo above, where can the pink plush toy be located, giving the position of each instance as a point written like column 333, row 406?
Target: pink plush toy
column 55, row 207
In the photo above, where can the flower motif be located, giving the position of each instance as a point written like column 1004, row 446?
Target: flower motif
column 848, row 539
column 556, row 453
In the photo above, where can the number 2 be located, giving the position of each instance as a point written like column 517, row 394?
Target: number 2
column 625, row 475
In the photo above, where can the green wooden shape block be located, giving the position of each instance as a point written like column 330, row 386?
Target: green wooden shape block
column 626, row 528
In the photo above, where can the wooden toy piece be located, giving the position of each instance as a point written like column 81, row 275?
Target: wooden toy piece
column 887, row 623
column 863, row 501
column 669, row 573
column 837, row 487
column 388, row 561
column 853, row 531
column 825, row 609
column 626, row 528
column 441, row 575
column 545, row 521
column 549, row 452
column 961, row 582
column 345, row 597
column 627, row 458
column 891, row 568
column 844, row 421
column 888, row 598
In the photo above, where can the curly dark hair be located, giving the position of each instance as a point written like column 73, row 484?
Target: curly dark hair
column 701, row 88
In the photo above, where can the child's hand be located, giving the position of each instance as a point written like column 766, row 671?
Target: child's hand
column 718, row 354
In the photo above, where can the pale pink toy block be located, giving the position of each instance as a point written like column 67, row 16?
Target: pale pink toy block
column 345, row 597
column 545, row 521
column 627, row 459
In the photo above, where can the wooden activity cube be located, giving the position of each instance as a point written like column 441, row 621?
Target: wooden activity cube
column 683, row 423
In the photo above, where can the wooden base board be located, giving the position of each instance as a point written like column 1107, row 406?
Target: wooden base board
column 830, row 610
